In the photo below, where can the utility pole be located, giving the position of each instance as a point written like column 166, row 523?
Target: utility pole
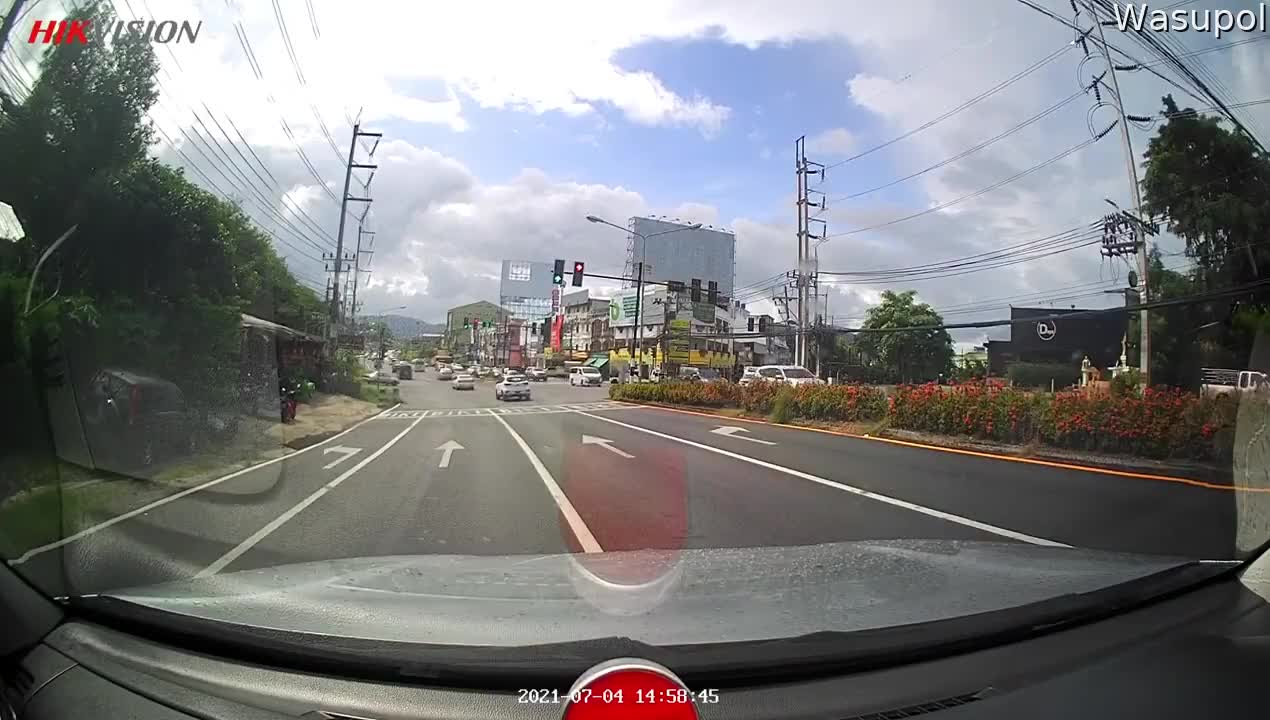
column 1139, row 238
column 357, row 264
column 805, row 276
column 336, row 318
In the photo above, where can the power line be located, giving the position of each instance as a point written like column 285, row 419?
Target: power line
column 972, row 101
column 965, row 153
column 970, row 196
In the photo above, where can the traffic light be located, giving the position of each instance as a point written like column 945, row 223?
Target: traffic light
column 467, row 323
column 750, row 324
column 546, row 327
column 675, row 286
column 712, row 295
column 579, row 270
column 762, row 323
column 557, row 275
column 696, row 290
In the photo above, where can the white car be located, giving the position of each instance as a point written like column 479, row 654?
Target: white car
column 512, row 386
column 445, row 373
column 788, row 374
column 748, row 375
column 585, row 375
column 535, row 374
column 463, row 381
column 382, row 377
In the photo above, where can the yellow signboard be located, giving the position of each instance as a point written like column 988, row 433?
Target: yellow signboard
column 679, row 342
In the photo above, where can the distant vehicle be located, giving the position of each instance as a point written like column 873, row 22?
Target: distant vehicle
column 504, row 372
column 749, row 375
column 445, row 373
column 464, row 381
column 382, row 377
column 585, row 375
column 789, row 375
column 535, row 374
column 404, row 371
column 442, row 359
column 419, row 364
column 1217, row 382
column 512, row 386
column 485, row 371
column 695, row 374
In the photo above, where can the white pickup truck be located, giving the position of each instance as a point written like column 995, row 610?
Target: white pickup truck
column 1215, row 382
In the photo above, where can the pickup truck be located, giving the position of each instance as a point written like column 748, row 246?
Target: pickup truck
column 1215, row 382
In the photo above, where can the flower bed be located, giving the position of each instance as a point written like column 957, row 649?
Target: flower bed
column 1161, row 423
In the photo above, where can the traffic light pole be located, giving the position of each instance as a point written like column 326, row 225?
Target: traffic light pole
column 639, row 320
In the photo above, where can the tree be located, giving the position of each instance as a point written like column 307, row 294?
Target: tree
column 1212, row 187
column 910, row 356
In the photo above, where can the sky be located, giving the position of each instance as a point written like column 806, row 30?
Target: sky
column 506, row 123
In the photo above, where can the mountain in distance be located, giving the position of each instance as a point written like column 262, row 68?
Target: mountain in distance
column 403, row 326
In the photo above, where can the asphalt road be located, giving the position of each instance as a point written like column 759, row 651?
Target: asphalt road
column 458, row 472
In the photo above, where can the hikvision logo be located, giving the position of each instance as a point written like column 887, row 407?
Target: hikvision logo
column 58, row 32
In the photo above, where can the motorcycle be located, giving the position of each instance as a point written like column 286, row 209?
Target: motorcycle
column 288, row 400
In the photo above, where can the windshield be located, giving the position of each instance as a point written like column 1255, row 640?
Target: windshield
column 1016, row 298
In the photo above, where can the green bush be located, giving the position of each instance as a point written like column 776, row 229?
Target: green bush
column 783, row 406
column 1039, row 375
column 1126, row 383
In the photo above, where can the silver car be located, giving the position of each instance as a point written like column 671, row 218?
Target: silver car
column 512, row 386
column 463, row 381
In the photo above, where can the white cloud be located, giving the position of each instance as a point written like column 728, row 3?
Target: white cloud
column 441, row 229
column 834, row 142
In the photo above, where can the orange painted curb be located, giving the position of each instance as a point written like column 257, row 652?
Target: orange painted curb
column 960, row 451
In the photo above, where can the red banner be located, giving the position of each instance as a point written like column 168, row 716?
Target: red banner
column 557, row 330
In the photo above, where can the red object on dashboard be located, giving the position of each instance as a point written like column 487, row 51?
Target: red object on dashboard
column 630, row 690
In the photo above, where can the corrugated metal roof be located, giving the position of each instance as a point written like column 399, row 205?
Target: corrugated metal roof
column 10, row 228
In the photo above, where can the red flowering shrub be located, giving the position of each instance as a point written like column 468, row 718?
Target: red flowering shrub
column 1161, row 423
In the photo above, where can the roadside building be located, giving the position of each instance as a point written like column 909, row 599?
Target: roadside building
column 463, row 326
column 1056, row 336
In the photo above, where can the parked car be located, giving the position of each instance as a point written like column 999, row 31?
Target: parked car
column 512, row 386
column 445, row 373
column 382, row 377
column 136, row 419
column 789, row 375
column 748, row 375
column 585, row 375
column 696, row 374
column 464, row 381
column 535, row 374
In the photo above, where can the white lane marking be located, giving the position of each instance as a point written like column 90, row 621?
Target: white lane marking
column 188, row 491
column 732, row 430
column 278, row 522
column 950, row 517
column 345, row 453
column 606, row 444
column 447, row 449
column 570, row 513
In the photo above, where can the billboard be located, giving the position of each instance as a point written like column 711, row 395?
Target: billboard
column 675, row 253
column 622, row 308
column 1066, row 340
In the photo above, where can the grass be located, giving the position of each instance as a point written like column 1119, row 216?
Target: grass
column 48, row 513
column 383, row 396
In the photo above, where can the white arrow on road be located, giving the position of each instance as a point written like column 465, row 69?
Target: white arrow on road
column 731, row 431
column 345, row 453
column 446, row 451
column 606, row 444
